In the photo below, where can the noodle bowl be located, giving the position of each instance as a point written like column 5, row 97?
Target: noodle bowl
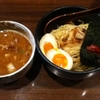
column 54, row 21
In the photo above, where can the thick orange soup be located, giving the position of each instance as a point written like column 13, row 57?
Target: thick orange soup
column 15, row 51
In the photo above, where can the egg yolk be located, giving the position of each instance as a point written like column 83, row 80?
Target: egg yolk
column 47, row 47
column 60, row 60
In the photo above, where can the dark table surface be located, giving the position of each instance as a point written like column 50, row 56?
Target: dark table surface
column 38, row 83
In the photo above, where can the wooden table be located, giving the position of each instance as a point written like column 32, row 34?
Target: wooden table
column 38, row 83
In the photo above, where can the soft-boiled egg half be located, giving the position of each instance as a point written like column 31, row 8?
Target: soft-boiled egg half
column 47, row 42
column 60, row 58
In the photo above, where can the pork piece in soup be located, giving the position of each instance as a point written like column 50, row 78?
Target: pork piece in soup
column 15, row 51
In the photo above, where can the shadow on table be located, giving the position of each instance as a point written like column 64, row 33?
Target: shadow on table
column 27, row 79
column 62, row 81
column 79, row 84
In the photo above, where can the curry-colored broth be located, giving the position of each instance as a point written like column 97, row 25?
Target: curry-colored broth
column 15, row 51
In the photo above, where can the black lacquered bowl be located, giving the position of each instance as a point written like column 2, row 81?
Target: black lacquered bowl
column 50, row 21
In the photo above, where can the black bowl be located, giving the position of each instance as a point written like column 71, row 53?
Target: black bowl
column 50, row 21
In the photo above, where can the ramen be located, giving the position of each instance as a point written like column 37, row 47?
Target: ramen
column 15, row 51
column 70, row 37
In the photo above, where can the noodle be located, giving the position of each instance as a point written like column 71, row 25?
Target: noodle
column 69, row 37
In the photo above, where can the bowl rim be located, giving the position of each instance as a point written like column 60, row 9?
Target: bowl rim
column 43, row 56
column 33, row 51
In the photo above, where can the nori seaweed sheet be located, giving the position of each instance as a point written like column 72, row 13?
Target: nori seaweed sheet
column 92, row 37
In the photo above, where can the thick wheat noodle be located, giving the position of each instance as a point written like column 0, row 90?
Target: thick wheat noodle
column 69, row 37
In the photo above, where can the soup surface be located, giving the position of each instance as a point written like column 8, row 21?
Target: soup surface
column 15, row 51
